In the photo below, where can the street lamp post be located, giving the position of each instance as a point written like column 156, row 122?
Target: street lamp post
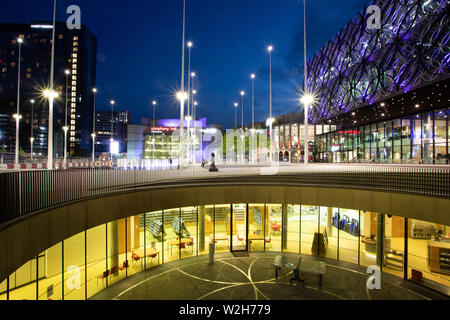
column 51, row 96
column 93, row 135
column 112, row 120
column 32, row 124
column 182, row 95
column 270, row 49
column 236, row 105
column 253, row 76
column 65, row 128
column 153, row 134
column 307, row 100
column 242, row 110
column 17, row 116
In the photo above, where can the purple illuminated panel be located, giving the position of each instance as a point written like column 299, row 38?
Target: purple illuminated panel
column 361, row 66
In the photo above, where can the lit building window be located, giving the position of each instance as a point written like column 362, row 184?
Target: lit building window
column 75, row 38
column 74, row 55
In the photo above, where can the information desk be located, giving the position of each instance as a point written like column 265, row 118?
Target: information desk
column 439, row 256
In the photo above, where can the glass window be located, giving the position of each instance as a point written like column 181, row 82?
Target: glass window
column 222, row 228
column 368, row 244
column 440, row 137
column 190, row 238
column 273, row 227
column 329, row 232
column 397, row 141
column 406, row 140
column 428, row 258
column 74, row 263
column 427, row 139
column 174, row 231
column 96, row 259
column 136, row 251
column 256, row 218
column 239, row 227
column 381, row 138
column 394, row 246
column 153, row 237
column 348, row 235
column 417, row 140
column 309, row 227
column 50, row 273
column 206, row 229
column 22, row 283
column 3, row 290
column 293, row 228
column 116, row 233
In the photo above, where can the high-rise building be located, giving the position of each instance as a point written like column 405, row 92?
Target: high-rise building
column 76, row 51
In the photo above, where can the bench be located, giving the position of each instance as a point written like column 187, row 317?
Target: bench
column 311, row 266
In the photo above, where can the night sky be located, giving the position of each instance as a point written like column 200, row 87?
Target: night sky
column 139, row 49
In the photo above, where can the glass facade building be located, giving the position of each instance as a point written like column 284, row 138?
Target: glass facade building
column 83, row 265
column 423, row 138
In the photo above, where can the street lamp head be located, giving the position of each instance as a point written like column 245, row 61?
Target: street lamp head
column 20, row 40
column 195, row 103
column 236, row 104
column 188, row 118
column 270, row 121
column 270, row 48
column 67, row 72
column 307, row 99
column 50, row 93
column 93, row 135
column 17, row 116
column 65, row 129
column 190, row 44
column 94, row 90
column 194, row 92
column 154, row 102
column 253, row 76
column 113, row 102
column 32, row 101
column 181, row 95
column 193, row 74
column 242, row 93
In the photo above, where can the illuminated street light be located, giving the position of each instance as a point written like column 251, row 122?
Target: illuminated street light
column 31, row 135
column 236, row 105
column 112, row 119
column 65, row 128
column 19, row 41
column 242, row 108
column 52, row 95
column 181, row 95
column 253, row 76
column 93, row 135
column 270, row 49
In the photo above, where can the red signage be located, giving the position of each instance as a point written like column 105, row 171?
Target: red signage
column 164, row 129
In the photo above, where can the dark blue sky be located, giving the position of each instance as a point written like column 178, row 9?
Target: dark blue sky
column 139, row 49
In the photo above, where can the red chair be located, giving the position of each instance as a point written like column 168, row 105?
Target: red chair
column 135, row 257
column 114, row 270
column 241, row 239
column 269, row 241
column 103, row 276
column 191, row 243
column 124, row 266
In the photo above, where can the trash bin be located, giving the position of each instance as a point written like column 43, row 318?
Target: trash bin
column 212, row 248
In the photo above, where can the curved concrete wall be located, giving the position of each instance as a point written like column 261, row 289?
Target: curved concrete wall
column 23, row 239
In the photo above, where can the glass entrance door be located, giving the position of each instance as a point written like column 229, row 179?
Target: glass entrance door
column 239, row 227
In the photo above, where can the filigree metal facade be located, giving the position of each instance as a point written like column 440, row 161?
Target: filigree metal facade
column 361, row 66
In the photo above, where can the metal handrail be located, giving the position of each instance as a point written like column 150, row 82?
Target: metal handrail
column 25, row 192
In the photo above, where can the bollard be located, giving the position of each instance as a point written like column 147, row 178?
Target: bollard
column 211, row 253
